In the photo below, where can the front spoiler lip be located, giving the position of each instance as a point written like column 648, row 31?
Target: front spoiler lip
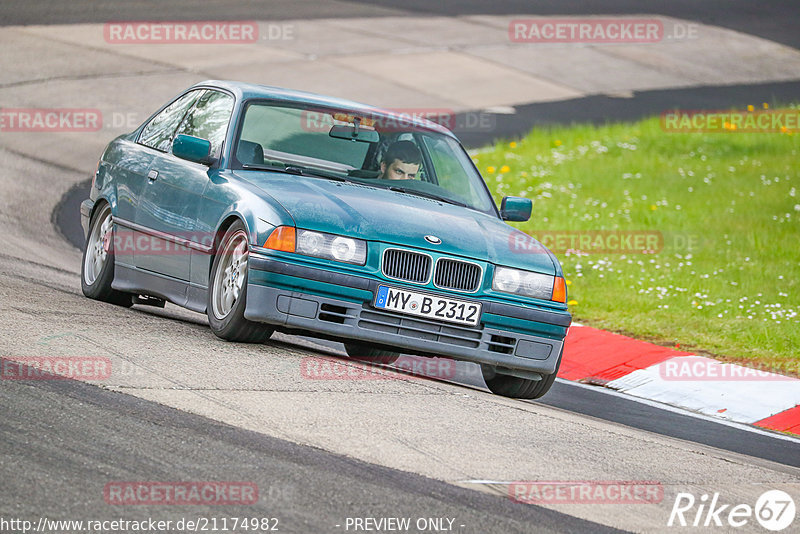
column 263, row 263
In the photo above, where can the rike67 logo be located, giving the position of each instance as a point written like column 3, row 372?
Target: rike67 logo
column 774, row 510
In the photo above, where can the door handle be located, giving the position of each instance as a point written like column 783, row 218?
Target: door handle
column 152, row 175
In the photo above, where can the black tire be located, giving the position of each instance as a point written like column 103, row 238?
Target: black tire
column 364, row 353
column 97, row 272
column 228, row 322
column 516, row 387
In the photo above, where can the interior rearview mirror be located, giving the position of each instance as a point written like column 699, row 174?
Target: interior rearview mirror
column 345, row 131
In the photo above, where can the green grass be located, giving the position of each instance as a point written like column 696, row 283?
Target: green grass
column 727, row 204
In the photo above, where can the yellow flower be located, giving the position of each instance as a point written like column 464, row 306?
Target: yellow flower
column 505, row 168
column 512, row 144
column 490, row 169
column 653, row 207
column 569, row 282
column 784, row 129
column 750, row 107
column 572, row 303
column 557, row 142
column 765, row 105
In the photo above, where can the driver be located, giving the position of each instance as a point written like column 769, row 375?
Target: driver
column 401, row 161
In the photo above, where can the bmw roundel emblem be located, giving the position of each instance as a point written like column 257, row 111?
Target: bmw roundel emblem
column 432, row 239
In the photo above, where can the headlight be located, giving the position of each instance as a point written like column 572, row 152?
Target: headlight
column 344, row 248
column 529, row 284
column 331, row 247
column 310, row 243
column 506, row 280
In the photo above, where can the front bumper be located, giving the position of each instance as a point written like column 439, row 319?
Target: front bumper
column 338, row 305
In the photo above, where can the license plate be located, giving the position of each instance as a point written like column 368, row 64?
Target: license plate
column 427, row 305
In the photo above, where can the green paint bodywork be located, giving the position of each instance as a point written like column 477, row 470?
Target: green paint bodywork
column 195, row 201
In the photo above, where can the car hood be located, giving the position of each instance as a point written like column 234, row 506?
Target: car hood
column 377, row 214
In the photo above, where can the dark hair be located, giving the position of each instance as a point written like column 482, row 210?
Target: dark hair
column 405, row 151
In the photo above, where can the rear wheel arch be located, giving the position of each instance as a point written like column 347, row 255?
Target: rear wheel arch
column 98, row 204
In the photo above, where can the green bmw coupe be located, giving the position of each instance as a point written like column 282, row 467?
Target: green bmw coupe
column 269, row 209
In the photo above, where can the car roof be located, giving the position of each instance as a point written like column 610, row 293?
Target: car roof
column 247, row 91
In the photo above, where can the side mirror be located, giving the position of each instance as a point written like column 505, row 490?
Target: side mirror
column 516, row 209
column 192, row 149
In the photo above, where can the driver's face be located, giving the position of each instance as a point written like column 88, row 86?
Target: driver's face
column 398, row 170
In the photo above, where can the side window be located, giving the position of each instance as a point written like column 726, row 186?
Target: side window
column 450, row 165
column 209, row 118
column 159, row 131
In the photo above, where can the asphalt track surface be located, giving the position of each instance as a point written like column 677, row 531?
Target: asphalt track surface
column 772, row 19
column 50, row 452
column 63, row 440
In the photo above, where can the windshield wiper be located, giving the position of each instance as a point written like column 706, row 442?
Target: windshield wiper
column 262, row 167
column 294, row 169
column 432, row 196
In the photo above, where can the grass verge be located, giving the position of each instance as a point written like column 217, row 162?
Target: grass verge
column 724, row 276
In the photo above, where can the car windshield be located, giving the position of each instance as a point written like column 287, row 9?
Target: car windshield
column 375, row 150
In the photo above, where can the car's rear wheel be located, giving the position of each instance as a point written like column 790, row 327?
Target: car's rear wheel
column 516, row 387
column 365, row 353
column 97, row 266
column 227, row 290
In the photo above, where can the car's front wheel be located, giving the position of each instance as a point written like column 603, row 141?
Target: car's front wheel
column 227, row 290
column 516, row 387
column 97, row 266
